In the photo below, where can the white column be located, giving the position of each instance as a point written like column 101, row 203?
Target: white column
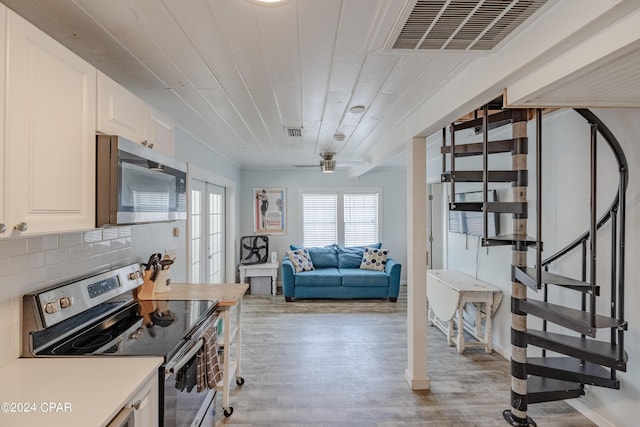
column 416, row 372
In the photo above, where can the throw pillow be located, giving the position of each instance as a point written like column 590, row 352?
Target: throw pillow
column 301, row 260
column 324, row 257
column 374, row 259
column 351, row 256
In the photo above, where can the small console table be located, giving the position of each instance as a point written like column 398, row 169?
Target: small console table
column 269, row 269
column 448, row 292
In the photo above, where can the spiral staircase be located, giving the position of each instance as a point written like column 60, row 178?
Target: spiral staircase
column 572, row 357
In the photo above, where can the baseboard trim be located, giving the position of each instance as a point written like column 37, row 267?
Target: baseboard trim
column 415, row 383
column 580, row 406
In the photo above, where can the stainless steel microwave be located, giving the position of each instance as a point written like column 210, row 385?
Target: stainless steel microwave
column 136, row 185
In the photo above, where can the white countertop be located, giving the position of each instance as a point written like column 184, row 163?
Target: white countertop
column 74, row 391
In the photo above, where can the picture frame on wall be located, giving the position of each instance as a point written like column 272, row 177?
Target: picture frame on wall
column 269, row 210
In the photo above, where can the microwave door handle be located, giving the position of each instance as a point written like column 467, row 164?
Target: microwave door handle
column 174, row 366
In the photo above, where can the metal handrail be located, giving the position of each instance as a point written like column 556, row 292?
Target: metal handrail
column 622, row 185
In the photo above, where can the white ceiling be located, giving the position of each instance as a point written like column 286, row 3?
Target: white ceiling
column 237, row 75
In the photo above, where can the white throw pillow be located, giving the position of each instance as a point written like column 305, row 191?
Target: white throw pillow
column 301, row 260
column 374, row 259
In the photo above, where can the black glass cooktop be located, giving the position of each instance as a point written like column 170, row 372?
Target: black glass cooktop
column 144, row 328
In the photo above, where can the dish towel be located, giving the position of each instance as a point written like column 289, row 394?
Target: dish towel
column 209, row 373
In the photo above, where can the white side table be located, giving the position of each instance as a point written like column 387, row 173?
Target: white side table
column 447, row 293
column 261, row 270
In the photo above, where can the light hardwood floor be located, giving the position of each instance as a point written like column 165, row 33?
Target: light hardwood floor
column 341, row 363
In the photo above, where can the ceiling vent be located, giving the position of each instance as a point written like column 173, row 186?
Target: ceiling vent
column 294, row 131
column 463, row 24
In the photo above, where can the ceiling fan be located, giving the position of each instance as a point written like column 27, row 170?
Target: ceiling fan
column 328, row 163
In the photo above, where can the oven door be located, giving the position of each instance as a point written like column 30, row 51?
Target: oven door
column 182, row 404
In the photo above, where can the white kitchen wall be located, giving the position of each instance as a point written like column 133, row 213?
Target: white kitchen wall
column 565, row 203
column 29, row 264
column 394, row 202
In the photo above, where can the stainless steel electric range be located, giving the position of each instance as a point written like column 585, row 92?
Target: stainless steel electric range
column 98, row 316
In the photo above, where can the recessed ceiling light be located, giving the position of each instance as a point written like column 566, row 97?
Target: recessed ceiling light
column 269, row 2
column 357, row 109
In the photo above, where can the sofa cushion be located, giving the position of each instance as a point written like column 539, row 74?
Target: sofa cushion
column 357, row 277
column 374, row 259
column 351, row 257
column 319, row 277
column 301, row 260
column 324, row 257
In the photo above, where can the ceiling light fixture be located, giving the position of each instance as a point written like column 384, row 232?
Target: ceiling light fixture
column 357, row 109
column 327, row 164
column 269, row 3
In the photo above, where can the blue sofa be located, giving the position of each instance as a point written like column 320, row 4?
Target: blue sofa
column 337, row 274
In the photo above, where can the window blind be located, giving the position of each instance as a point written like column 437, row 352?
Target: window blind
column 320, row 219
column 360, row 219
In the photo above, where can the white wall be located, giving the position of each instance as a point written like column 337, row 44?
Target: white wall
column 565, row 216
column 392, row 181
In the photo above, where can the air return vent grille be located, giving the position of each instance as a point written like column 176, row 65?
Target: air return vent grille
column 463, row 24
column 294, row 131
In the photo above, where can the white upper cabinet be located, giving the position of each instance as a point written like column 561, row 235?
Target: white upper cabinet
column 119, row 111
column 160, row 132
column 122, row 113
column 49, row 163
column 3, row 43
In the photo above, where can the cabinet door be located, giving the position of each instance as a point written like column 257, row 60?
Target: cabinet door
column 160, row 132
column 119, row 111
column 3, row 40
column 145, row 403
column 50, row 133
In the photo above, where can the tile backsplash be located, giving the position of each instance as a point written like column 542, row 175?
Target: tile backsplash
column 29, row 264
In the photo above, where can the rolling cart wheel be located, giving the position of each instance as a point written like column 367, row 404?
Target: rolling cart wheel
column 240, row 381
column 227, row 413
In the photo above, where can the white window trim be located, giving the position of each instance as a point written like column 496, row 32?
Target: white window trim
column 341, row 191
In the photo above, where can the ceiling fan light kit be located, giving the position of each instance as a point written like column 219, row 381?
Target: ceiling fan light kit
column 269, row 3
column 327, row 166
column 328, row 163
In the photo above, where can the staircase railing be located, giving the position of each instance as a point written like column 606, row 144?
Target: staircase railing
column 616, row 213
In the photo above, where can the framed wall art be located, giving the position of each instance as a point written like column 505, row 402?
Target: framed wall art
column 269, row 208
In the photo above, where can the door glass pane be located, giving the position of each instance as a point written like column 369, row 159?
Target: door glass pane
column 215, row 238
column 196, row 235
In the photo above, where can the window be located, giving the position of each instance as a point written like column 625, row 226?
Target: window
column 320, row 219
column 345, row 217
column 360, row 219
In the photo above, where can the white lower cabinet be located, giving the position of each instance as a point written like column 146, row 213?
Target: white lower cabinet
column 145, row 404
column 49, row 146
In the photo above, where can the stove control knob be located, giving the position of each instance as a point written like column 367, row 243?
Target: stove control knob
column 50, row 307
column 65, row 302
column 135, row 275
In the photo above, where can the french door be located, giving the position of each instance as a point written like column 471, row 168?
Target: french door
column 207, row 224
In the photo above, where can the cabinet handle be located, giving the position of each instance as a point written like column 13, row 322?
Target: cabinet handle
column 136, row 405
column 3, row 228
column 151, row 145
column 21, row 226
column 144, row 143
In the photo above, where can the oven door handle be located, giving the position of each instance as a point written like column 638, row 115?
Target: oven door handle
column 177, row 363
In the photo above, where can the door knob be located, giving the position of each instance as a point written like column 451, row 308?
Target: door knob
column 21, row 226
